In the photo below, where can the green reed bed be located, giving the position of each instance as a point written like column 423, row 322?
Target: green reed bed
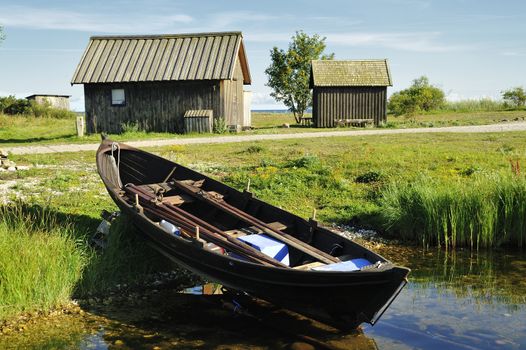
column 488, row 211
column 40, row 261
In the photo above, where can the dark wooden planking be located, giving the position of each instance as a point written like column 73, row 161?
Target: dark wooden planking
column 156, row 106
column 335, row 103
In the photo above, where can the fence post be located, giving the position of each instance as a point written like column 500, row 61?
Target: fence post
column 80, row 126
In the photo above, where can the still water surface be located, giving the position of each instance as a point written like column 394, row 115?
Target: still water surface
column 456, row 300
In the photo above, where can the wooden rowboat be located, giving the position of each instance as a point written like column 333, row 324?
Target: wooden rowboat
column 247, row 245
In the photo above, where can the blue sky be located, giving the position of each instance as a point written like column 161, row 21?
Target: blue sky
column 470, row 48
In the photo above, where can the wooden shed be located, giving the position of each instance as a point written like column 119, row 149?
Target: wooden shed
column 349, row 92
column 56, row 101
column 153, row 80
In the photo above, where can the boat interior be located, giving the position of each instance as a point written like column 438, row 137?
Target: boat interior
column 168, row 190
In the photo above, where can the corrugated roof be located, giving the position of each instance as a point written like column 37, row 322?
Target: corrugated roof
column 350, row 73
column 201, row 56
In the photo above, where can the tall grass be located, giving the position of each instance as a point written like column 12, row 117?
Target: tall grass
column 40, row 261
column 482, row 105
column 489, row 211
column 126, row 259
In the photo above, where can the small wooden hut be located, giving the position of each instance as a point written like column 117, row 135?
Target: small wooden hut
column 152, row 81
column 351, row 92
column 56, row 101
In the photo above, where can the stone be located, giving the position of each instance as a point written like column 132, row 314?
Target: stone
column 286, row 125
column 11, row 168
column 22, row 167
column 3, row 153
column 118, row 342
column 6, row 163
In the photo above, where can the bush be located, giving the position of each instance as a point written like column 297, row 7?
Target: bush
column 368, row 177
column 420, row 96
column 220, row 126
column 17, row 106
column 130, row 127
column 515, row 96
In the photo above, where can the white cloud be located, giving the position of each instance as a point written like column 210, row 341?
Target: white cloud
column 227, row 19
column 40, row 18
column 406, row 41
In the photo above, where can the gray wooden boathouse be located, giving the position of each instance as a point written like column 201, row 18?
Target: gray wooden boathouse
column 350, row 92
column 155, row 80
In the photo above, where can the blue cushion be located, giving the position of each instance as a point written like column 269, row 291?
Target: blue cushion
column 268, row 246
column 350, row 265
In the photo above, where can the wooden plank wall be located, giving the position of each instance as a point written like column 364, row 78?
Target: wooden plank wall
column 233, row 98
column 155, row 106
column 199, row 121
column 330, row 103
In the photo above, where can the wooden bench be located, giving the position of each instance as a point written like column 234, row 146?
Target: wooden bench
column 307, row 121
column 353, row 122
column 238, row 232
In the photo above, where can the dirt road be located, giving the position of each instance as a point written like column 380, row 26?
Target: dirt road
column 518, row 126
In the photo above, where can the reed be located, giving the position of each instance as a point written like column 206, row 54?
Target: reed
column 489, row 211
column 40, row 261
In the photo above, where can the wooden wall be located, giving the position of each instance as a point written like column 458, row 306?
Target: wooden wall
column 232, row 95
column 330, row 103
column 155, row 106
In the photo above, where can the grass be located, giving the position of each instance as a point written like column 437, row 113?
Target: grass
column 40, row 261
column 490, row 211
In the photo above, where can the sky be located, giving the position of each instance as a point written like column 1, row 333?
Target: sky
column 470, row 48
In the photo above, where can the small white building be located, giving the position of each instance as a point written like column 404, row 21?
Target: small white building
column 56, row 101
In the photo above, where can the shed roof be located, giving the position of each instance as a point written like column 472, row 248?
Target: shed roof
column 200, row 56
column 350, row 73
column 46, row 95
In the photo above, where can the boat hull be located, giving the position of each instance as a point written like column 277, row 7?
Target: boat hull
column 341, row 299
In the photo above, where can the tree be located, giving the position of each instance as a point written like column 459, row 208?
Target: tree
column 516, row 96
column 420, row 96
column 289, row 72
column 2, row 35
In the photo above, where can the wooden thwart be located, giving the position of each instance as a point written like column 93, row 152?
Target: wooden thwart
column 308, row 266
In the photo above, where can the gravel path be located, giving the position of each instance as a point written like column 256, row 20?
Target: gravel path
column 518, row 126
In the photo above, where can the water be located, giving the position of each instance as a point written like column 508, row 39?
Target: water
column 453, row 301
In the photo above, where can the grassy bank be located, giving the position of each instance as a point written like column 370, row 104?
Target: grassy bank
column 489, row 211
column 40, row 260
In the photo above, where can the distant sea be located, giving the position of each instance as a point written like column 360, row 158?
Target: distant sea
column 309, row 110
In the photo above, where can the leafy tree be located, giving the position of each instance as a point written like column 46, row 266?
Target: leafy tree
column 289, row 72
column 420, row 96
column 516, row 96
column 2, row 35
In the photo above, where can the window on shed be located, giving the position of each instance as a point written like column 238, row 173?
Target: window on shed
column 117, row 97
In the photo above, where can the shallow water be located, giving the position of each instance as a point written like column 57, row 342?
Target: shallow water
column 453, row 301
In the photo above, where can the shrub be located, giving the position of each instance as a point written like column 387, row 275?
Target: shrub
column 18, row 106
column 420, row 96
column 220, row 126
column 130, row 127
column 515, row 96
column 368, row 177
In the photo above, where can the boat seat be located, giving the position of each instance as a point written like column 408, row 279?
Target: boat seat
column 253, row 229
column 309, row 265
column 178, row 199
